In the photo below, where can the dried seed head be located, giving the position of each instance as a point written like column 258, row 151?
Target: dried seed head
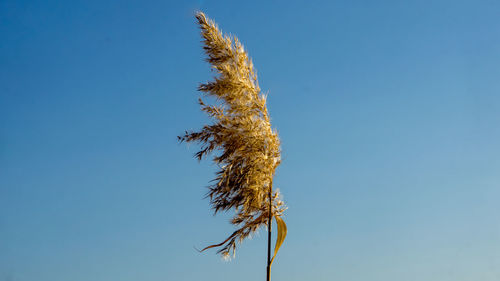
column 240, row 137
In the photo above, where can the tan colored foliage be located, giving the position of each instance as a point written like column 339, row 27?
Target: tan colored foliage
column 245, row 147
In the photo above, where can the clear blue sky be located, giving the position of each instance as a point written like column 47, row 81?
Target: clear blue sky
column 388, row 112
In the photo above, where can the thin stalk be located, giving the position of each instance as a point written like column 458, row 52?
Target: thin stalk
column 269, row 236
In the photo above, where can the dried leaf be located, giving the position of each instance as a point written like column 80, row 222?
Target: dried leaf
column 281, row 235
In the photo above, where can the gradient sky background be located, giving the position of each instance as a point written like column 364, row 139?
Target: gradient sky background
column 388, row 112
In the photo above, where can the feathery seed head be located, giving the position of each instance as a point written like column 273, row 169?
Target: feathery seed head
column 247, row 148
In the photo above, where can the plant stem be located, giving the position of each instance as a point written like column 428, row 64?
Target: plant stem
column 269, row 236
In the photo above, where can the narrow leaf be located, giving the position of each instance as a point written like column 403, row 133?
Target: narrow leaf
column 281, row 235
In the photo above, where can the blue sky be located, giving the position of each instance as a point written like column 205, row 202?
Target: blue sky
column 388, row 112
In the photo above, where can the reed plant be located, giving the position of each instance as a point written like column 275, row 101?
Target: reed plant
column 240, row 140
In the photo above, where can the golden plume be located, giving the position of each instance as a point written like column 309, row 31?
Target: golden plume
column 246, row 148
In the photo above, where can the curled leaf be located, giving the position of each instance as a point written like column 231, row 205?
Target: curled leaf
column 281, row 235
